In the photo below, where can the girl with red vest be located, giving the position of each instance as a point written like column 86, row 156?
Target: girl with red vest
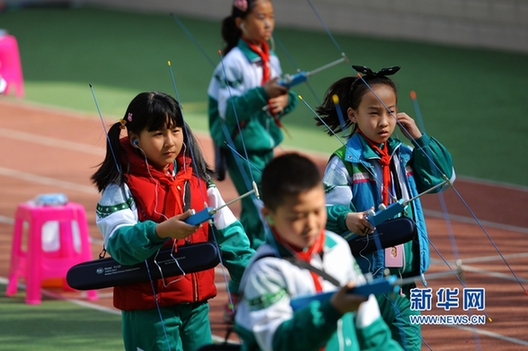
column 150, row 181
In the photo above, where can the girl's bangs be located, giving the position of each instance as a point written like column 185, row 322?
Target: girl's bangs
column 163, row 120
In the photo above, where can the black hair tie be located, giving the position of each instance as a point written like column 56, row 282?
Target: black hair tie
column 381, row 73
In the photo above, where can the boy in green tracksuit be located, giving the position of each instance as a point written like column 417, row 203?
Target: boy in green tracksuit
column 294, row 206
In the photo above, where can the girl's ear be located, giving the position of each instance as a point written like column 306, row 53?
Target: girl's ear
column 239, row 23
column 133, row 139
column 351, row 115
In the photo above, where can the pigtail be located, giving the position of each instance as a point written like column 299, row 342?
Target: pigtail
column 327, row 112
column 230, row 33
column 203, row 170
column 108, row 171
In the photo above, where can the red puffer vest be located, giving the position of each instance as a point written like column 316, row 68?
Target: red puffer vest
column 155, row 194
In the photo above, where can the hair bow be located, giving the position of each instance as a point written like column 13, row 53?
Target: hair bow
column 381, row 73
column 123, row 121
column 242, row 5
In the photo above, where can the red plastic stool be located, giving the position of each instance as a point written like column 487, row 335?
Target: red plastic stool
column 10, row 66
column 30, row 260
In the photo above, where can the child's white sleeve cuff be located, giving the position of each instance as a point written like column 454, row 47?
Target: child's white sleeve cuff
column 223, row 217
column 367, row 312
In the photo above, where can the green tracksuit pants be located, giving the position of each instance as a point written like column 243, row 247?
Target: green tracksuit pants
column 182, row 327
column 395, row 310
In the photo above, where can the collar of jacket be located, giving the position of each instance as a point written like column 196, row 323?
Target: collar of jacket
column 251, row 55
column 284, row 253
column 357, row 147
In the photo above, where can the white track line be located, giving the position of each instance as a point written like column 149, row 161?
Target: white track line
column 47, row 181
column 491, row 335
column 467, row 268
column 471, row 220
column 483, row 258
column 75, row 301
column 493, row 274
column 6, row 220
column 54, row 142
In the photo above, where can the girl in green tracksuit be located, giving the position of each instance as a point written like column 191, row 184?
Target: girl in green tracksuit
column 246, row 104
column 373, row 168
column 150, row 181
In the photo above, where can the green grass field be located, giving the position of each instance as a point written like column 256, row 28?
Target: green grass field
column 470, row 99
column 55, row 325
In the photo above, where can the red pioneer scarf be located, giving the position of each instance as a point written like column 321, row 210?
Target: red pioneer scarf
column 155, row 191
column 385, row 158
column 263, row 52
column 305, row 254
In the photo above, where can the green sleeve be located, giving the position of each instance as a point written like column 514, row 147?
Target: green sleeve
column 430, row 161
column 252, row 101
column 292, row 102
column 376, row 336
column 236, row 251
column 129, row 245
column 310, row 328
column 336, row 219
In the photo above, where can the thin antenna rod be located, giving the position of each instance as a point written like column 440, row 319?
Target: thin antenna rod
column 104, row 128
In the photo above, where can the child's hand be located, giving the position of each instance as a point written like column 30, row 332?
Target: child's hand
column 274, row 89
column 278, row 103
column 410, row 129
column 175, row 227
column 344, row 302
column 357, row 223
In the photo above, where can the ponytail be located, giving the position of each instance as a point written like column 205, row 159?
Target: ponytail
column 109, row 171
column 327, row 111
column 201, row 169
column 230, row 33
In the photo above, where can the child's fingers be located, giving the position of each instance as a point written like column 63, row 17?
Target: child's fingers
column 184, row 215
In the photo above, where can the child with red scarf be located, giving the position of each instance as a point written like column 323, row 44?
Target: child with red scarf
column 294, row 206
column 246, row 104
column 151, row 180
column 376, row 168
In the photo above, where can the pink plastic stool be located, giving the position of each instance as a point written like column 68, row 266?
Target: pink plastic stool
column 36, row 264
column 10, row 66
